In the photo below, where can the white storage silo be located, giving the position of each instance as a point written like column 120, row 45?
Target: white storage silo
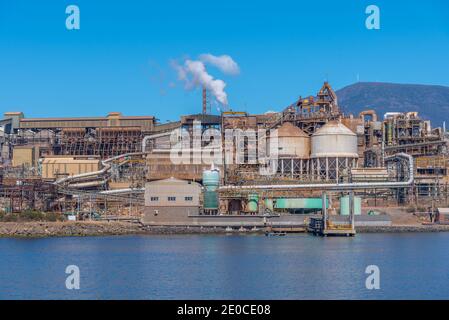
column 293, row 150
column 333, row 151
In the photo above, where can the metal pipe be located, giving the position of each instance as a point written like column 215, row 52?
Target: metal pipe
column 403, row 146
column 123, row 155
column 324, row 209
column 83, row 175
column 371, row 113
column 351, row 209
column 87, row 184
column 106, row 168
column 338, row 186
column 127, row 190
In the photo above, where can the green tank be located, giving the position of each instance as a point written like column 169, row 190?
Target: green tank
column 211, row 182
column 211, row 179
column 210, row 200
column 344, row 206
column 253, row 202
column 269, row 204
column 300, row 203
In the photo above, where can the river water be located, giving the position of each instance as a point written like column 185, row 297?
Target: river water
column 412, row 266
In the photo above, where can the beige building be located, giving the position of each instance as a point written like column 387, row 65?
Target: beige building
column 54, row 167
column 24, row 155
column 171, row 200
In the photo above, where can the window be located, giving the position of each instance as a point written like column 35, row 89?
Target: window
column 171, row 198
column 154, row 199
column 188, row 198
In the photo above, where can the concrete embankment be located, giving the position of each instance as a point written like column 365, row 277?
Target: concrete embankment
column 84, row 229
column 403, row 229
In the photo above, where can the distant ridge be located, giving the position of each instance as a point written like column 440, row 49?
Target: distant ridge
column 430, row 101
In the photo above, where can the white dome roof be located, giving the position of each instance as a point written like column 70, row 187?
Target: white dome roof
column 334, row 128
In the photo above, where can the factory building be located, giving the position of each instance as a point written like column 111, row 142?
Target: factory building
column 107, row 136
column 171, row 200
column 129, row 160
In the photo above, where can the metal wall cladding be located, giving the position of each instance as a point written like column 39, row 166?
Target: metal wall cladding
column 334, row 140
column 292, row 142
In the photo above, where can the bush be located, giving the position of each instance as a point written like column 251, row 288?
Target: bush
column 30, row 215
column 53, row 216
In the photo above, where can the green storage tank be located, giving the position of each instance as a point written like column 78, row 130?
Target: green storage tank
column 211, row 182
column 253, row 202
column 210, row 200
column 344, row 206
column 269, row 204
column 211, row 179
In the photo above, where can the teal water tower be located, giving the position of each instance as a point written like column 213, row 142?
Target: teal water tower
column 211, row 182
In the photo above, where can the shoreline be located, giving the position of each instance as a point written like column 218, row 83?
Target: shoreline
column 92, row 229
column 95, row 229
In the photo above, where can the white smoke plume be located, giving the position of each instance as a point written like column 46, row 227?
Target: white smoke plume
column 225, row 63
column 194, row 74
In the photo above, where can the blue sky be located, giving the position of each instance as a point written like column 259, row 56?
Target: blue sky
column 119, row 59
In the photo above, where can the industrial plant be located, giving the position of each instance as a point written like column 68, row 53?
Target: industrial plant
column 309, row 167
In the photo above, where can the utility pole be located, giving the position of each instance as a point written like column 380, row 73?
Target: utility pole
column 351, row 209
column 324, row 208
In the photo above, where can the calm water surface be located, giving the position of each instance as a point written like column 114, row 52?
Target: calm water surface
column 412, row 266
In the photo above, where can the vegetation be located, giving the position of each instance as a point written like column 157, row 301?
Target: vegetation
column 430, row 101
column 30, row 215
column 415, row 209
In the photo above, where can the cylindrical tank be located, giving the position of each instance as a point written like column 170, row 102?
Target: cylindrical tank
column 344, row 206
column 211, row 182
column 253, row 201
column 334, row 140
column 292, row 142
column 269, row 204
column 389, row 130
column 211, row 179
column 210, row 200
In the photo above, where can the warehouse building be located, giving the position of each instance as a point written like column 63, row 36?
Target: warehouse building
column 107, row 136
column 171, row 200
column 59, row 167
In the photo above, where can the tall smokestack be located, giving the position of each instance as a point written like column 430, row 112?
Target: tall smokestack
column 204, row 100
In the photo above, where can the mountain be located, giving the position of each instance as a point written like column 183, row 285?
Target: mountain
column 430, row 101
